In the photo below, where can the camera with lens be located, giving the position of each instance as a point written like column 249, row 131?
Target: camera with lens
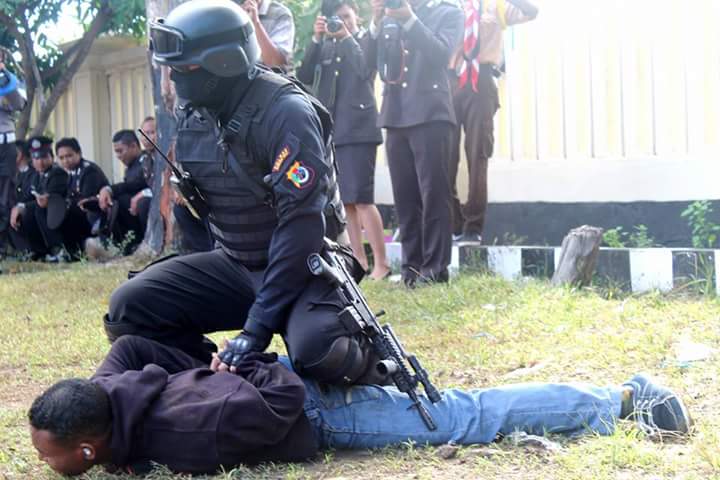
column 334, row 24
column 394, row 4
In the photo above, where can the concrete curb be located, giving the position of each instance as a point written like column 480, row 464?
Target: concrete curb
column 630, row 269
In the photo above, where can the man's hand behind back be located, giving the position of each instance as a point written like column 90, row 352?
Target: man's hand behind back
column 235, row 350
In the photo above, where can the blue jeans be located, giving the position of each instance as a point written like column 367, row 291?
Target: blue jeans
column 374, row 417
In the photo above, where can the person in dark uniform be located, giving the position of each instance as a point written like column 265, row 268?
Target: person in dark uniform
column 415, row 43
column 195, row 235
column 85, row 181
column 340, row 65
column 127, row 229
column 25, row 178
column 25, row 173
column 12, row 100
column 268, row 182
column 38, row 221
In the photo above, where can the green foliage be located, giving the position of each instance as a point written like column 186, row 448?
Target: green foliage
column 638, row 238
column 477, row 331
column 704, row 231
column 305, row 12
column 613, row 237
column 128, row 19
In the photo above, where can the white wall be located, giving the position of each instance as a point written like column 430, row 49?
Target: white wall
column 612, row 100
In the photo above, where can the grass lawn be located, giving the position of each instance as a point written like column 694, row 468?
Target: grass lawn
column 478, row 331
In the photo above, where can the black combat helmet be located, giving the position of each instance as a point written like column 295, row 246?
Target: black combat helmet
column 215, row 34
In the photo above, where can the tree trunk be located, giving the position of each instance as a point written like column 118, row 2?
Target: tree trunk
column 71, row 62
column 63, row 83
column 159, row 231
column 580, row 249
column 29, row 66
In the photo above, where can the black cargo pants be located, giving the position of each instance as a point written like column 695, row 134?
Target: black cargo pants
column 177, row 301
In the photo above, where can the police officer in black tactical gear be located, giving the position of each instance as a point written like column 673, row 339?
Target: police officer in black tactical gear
column 267, row 179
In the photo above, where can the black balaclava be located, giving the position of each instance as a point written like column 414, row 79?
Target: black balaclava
column 202, row 88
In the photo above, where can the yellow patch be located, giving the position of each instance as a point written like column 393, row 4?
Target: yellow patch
column 282, row 156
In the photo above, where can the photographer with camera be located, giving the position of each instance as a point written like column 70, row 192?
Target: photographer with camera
column 415, row 43
column 12, row 100
column 475, row 95
column 339, row 63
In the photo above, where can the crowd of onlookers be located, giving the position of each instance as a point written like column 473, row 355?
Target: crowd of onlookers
column 64, row 206
column 438, row 63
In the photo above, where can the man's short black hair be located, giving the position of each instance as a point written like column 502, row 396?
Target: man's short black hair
column 329, row 7
column 126, row 137
column 69, row 142
column 71, row 409
column 24, row 148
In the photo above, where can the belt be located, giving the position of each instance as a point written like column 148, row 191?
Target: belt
column 8, row 137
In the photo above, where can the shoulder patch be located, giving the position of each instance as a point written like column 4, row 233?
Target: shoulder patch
column 282, row 156
column 300, row 175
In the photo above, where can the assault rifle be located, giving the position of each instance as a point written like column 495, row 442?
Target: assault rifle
column 356, row 315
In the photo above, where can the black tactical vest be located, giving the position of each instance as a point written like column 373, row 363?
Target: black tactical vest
column 242, row 212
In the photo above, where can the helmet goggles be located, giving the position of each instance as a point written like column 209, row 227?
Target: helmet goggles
column 165, row 42
column 168, row 43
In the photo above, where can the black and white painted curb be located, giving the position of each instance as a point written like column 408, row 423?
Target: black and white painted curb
column 634, row 269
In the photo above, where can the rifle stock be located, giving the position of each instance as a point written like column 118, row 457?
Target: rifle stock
column 394, row 361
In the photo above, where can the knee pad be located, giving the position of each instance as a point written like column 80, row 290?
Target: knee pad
column 343, row 363
column 115, row 330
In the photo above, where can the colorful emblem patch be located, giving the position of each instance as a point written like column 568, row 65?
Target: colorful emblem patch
column 282, row 156
column 300, row 175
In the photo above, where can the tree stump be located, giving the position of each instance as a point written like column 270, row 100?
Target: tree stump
column 578, row 256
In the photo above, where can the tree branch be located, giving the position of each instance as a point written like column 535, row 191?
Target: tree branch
column 61, row 63
column 85, row 44
column 34, row 71
column 27, row 59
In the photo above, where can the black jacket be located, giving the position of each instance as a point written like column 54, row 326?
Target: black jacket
column 422, row 92
column 53, row 181
column 342, row 75
column 133, row 181
column 86, row 181
column 24, row 181
column 196, row 421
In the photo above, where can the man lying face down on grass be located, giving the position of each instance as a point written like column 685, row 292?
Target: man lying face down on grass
column 151, row 403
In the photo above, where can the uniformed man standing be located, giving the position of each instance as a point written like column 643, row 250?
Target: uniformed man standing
column 39, row 221
column 85, row 181
column 267, row 181
column 475, row 97
column 12, row 100
column 415, row 43
column 340, row 63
